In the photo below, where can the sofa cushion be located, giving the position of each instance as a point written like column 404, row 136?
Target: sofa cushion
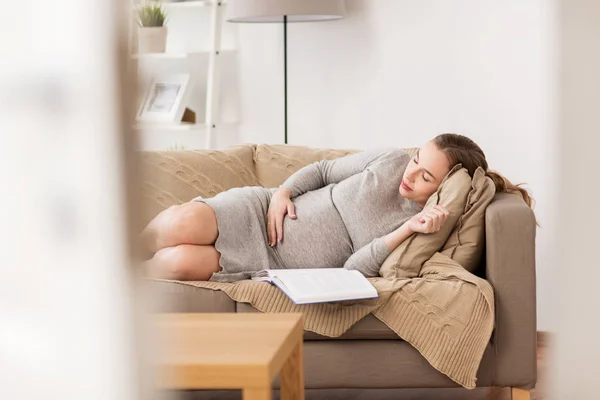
column 367, row 328
column 406, row 260
column 466, row 242
column 275, row 163
column 174, row 297
column 175, row 177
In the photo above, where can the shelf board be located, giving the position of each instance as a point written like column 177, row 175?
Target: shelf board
column 183, row 126
column 175, row 55
column 167, row 55
column 186, row 4
column 166, row 126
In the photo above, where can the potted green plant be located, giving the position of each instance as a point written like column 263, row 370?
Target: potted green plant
column 152, row 32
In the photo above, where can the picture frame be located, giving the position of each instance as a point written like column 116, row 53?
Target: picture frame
column 165, row 99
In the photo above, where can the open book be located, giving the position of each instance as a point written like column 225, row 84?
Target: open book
column 319, row 285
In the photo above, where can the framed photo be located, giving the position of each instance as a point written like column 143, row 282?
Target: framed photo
column 166, row 99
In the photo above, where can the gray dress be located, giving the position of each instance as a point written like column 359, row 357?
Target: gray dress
column 344, row 208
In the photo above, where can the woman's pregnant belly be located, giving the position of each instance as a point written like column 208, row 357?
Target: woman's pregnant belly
column 317, row 238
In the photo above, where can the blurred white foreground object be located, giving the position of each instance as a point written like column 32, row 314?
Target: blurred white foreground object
column 67, row 315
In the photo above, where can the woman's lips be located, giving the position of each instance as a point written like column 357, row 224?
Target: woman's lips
column 406, row 187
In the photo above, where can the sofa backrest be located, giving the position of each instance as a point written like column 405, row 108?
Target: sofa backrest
column 275, row 163
column 175, row 177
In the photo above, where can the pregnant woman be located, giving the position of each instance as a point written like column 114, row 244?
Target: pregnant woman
column 351, row 212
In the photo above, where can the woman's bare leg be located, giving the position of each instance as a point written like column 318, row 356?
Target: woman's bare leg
column 189, row 223
column 184, row 263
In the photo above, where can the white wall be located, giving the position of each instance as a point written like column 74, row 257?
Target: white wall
column 399, row 72
column 574, row 365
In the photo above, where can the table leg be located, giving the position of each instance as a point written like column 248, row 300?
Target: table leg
column 292, row 375
column 258, row 394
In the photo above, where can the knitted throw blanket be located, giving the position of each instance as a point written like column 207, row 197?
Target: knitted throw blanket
column 446, row 313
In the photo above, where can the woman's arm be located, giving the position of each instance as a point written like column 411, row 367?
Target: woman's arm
column 313, row 177
column 325, row 172
column 394, row 239
column 369, row 259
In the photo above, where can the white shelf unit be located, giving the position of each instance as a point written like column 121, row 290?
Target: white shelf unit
column 208, row 56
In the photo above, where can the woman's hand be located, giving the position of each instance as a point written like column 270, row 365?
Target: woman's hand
column 281, row 204
column 428, row 221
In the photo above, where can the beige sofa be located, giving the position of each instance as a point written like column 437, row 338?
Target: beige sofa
column 369, row 355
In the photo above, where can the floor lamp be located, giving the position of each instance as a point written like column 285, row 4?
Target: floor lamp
column 274, row 11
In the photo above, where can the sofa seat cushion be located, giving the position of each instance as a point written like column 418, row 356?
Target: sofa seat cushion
column 367, row 328
column 170, row 297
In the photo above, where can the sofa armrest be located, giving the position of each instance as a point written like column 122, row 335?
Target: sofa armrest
column 510, row 268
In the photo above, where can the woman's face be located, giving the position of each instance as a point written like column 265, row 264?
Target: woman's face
column 424, row 174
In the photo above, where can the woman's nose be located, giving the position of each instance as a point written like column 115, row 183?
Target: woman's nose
column 410, row 174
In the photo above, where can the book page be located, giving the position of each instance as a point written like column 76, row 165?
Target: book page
column 266, row 275
column 323, row 284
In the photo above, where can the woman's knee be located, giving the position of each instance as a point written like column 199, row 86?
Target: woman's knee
column 194, row 223
column 172, row 263
column 187, row 262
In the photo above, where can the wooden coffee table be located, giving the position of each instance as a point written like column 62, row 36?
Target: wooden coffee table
column 232, row 351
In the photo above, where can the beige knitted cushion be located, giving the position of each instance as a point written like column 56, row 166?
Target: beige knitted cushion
column 175, row 177
column 466, row 242
column 275, row 163
column 406, row 260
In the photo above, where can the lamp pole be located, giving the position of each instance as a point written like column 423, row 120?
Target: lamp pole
column 285, row 90
column 263, row 11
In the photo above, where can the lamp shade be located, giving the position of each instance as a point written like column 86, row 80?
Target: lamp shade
column 260, row 11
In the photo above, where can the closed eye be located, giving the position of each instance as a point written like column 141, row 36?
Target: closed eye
column 416, row 161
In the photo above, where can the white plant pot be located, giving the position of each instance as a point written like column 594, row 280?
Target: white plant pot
column 152, row 40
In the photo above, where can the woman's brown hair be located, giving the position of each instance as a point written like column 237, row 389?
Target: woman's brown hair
column 461, row 150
